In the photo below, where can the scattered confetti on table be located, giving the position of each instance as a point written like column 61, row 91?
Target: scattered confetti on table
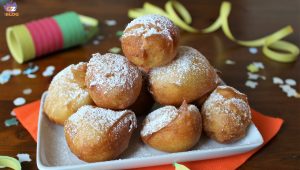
column 255, row 67
column 32, row 68
column 277, row 80
column 230, row 62
column 253, row 76
column 11, row 122
column 5, row 76
column 49, row 71
column 110, row 22
column 286, row 86
column 251, row 84
column 12, row 113
column 119, row 33
column 19, row 101
column 290, row 82
column 16, row 72
column 31, row 76
column 115, row 50
column 96, row 42
column 253, row 50
column 27, row 91
column 23, row 157
column 5, row 58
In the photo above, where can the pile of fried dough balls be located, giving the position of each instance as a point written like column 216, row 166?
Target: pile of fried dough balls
column 97, row 101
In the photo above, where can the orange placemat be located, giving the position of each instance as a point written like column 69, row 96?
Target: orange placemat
column 267, row 126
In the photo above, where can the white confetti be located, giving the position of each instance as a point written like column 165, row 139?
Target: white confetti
column 229, row 62
column 31, row 69
column 251, row 84
column 16, row 72
column 253, row 76
column 23, row 157
column 259, row 65
column 5, row 76
column 19, row 101
column 111, row 22
column 5, row 58
column 253, row 50
column 49, row 71
column 277, row 80
column 31, row 76
column 96, row 42
column 290, row 82
column 27, row 91
column 12, row 113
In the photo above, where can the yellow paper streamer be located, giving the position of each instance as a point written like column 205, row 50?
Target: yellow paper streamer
column 180, row 167
column 272, row 45
column 10, row 162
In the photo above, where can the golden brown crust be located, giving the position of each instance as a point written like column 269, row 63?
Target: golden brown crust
column 188, row 77
column 67, row 92
column 91, row 143
column 226, row 115
column 150, row 41
column 181, row 134
column 112, row 81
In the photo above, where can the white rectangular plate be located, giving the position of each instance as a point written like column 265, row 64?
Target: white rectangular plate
column 54, row 153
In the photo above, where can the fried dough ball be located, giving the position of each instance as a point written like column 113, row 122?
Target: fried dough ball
column 188, row 77
column 96, row 134
column 226, row 115
column 172, row 130
column 112, row 81
column 67, row 92
column 150, row 41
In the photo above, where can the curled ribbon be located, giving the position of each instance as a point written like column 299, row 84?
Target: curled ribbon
column 272, row 45
column 10, row 162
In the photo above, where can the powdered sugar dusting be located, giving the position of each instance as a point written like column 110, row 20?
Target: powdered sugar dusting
column 98, row 119
column 111, row 71
column 67, row 87
column 217, row 103
column 149, row 25
column 188, row 62
column 159, row 119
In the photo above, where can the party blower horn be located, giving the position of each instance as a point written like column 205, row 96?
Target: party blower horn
column 44, row 36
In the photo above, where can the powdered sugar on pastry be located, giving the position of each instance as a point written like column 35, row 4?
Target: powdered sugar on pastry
column 149, row 25
column 99, row 119
column 159, row 119
column 111, row 71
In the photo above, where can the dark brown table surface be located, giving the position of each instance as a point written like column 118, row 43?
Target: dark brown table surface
column 248, row 20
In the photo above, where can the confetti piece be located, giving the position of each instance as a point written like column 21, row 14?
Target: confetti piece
column 48, row 71
column 229, row 62
column 12, row 113
column 277, row 80
column 16, row 72
column 119, row 33
column 96, row 42
column 251, row 84
column 252, row 68
column 31, row 69
column 27, row 91
column 111, row 22
column 23, row 157
column 253, row 76
column 291, row 92
column 5, row 76
column 11, row 122
column 180, row 167
column 115, row 50
column 5, row 58
column 31, row 76
column 259, row 65
column 253, row 50
column 19, row 101
column 290, row 82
